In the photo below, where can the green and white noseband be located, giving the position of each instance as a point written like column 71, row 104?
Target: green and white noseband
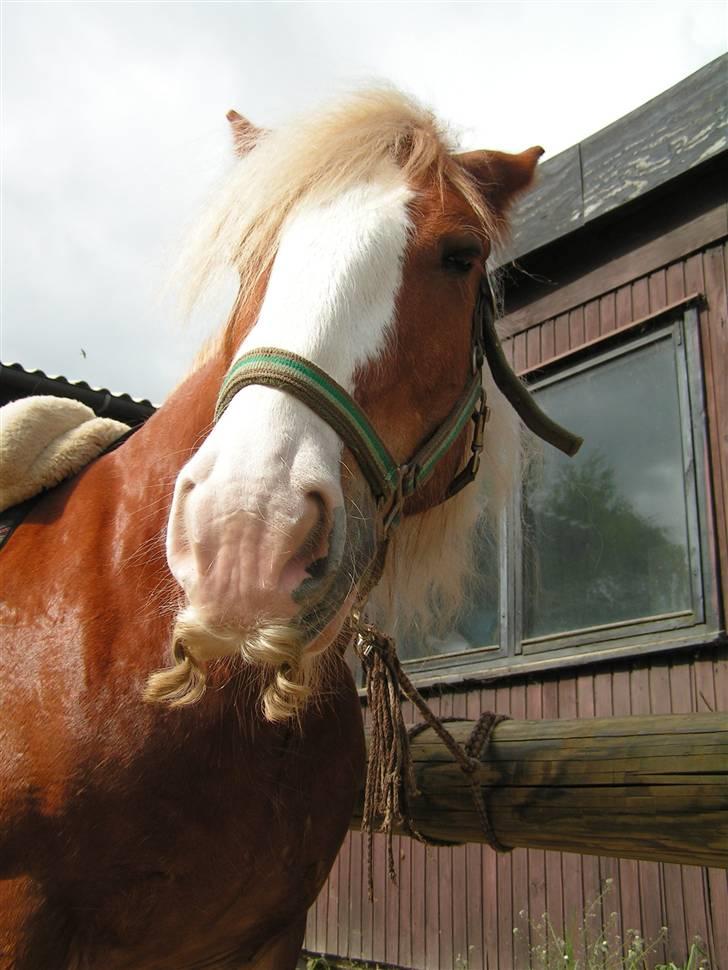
column 391, row 483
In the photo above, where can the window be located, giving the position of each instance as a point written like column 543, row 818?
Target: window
column 608, row 550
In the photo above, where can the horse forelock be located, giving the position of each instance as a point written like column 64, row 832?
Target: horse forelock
column 315, row 158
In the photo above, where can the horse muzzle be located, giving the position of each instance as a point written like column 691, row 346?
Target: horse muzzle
column 250, row 549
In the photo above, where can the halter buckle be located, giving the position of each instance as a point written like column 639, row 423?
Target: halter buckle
column 364, row 645
column 481, row 414
column 480, row 419
column 406, row 484
column 367, row 637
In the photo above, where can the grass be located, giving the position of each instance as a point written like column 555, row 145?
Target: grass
column 559, row 955
column 595, row 945
column 321, row 963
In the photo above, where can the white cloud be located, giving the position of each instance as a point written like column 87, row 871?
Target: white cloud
column 113, row 130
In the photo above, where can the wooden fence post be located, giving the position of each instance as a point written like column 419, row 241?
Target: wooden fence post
column 633, row 787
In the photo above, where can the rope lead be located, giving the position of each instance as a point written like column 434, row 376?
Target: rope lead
column 390, row 782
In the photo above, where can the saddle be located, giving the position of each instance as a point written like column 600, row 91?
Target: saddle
column 43, row 441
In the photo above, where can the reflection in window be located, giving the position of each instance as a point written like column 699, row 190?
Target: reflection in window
column 606, row 533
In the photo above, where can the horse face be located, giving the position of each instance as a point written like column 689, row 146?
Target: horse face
column 258, row 519
column 271, row 519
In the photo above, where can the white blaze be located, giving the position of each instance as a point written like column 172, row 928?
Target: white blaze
column 331, row 295
column 238, row 502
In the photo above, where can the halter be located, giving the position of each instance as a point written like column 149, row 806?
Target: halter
column 392, row 483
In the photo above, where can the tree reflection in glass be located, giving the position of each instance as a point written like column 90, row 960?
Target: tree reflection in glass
column 605, row 534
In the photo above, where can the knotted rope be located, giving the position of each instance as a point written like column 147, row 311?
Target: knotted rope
column 390, row 782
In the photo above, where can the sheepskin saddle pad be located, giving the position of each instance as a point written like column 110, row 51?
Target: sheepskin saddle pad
column 44, row 440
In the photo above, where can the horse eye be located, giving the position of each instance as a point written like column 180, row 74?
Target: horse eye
column 460, row 262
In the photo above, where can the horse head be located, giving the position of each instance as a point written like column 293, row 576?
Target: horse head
column 361, row 240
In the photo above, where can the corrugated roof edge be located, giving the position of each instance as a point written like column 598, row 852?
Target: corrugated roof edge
column 17, row 382
column 119, row 395
column 676, row 131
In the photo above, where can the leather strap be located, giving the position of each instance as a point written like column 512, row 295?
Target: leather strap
column 306, row 381
column 391, row 483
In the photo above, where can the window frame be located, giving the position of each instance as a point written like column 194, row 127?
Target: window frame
column 643, row 635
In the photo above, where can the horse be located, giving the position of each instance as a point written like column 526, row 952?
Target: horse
column 181, row 739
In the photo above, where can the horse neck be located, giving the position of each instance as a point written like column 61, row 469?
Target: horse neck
column 173, row 434
column 181, row 424
column 146, row 467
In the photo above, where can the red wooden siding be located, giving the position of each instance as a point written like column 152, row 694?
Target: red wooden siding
column 464, row 903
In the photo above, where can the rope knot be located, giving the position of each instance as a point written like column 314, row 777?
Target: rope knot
column 470, row 766
column 390, row 782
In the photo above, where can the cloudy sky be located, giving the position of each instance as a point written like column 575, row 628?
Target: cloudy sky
column 114, row 132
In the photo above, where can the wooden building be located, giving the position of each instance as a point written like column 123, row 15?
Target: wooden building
column 607, row 592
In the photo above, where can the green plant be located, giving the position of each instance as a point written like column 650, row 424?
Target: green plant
column 596, row 944
column 601, row 947
column 322, row 963
column 461, row 962
column 697, row 960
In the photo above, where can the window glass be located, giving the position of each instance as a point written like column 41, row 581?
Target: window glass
column 605, row 534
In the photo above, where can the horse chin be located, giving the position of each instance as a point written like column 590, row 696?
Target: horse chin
column 283, row 654
column 284, row 657
column 320, row 643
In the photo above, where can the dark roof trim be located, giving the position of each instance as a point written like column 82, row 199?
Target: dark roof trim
column 16, row 382
column 669, row 135
column 531, row 300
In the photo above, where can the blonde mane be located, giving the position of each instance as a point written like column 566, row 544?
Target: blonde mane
column 431, row 559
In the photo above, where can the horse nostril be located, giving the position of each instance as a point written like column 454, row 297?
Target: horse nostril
column 317, row 569
column 314, row 552
column 320, row 555
column 308, row 564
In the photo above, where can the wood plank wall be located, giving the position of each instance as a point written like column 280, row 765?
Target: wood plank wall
column 463, row 903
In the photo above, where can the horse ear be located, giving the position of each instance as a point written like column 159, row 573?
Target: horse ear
column 501, row 176
column 245, row 134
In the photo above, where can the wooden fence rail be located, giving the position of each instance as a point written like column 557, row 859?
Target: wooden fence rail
column 633, row 787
